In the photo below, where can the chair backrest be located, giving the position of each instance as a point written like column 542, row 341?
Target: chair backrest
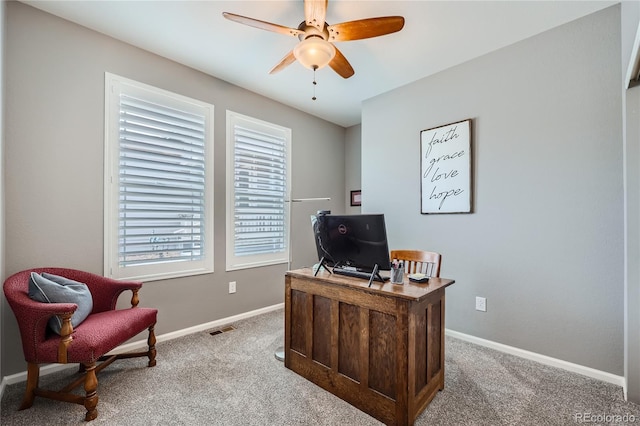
column 418, row 261
column 31, row 315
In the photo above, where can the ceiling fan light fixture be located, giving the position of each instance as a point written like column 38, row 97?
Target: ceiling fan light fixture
column 314, row 52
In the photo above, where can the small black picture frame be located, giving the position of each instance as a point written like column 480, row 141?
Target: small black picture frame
column 356, row 198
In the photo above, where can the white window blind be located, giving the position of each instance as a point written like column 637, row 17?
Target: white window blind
column 162, row 168
column 161, row 183
column 258, row 210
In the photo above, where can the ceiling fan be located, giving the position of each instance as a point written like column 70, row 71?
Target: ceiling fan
column 316, row 48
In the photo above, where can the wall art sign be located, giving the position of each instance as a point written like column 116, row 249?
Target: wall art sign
column 445, row 167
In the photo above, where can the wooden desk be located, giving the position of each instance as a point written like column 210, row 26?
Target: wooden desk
column 380, row 348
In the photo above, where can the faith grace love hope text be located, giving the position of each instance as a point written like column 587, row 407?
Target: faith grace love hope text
column 436, row 176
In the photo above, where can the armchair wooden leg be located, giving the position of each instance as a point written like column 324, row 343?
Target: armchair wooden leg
column 90, row 387
column 33, row 375
column 151, row 341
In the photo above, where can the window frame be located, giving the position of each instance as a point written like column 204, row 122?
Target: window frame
column 234, row 262
column 114, row 86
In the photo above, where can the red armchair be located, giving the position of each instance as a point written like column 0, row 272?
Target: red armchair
column 103, row 330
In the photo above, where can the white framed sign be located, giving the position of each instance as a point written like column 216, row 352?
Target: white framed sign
column 445, row 168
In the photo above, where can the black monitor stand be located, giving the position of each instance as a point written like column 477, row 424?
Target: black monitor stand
column 375, row 273
column 323, row 265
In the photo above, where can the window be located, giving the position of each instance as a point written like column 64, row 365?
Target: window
column 158, row 182
column 258, row 165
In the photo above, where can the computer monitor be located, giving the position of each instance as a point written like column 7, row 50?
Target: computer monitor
column 358, row 241
column 318, row 229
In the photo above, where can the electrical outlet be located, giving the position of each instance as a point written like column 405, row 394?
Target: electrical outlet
column 481, row 304
column 232, row 286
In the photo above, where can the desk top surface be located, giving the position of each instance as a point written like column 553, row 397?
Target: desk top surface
column 407, row 290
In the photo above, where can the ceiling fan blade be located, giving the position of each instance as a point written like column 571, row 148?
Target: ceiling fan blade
column 285, row 62
column 340, row 65
column 365, row 28
column 315, row 12
column 263, row 25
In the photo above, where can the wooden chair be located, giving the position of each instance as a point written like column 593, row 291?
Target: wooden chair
column 104, row 329
column 418, row 261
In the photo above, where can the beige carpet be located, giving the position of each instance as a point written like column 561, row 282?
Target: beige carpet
column 233, row 378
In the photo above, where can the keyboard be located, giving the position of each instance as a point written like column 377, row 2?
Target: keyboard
column 358, row 274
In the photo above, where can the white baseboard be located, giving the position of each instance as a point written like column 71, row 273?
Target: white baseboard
column 44, row 370
column 3, row 384
column 543, row 359
column 128, row 347
column 198, row 328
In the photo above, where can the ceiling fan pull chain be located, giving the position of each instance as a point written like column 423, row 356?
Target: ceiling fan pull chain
column 314, row 83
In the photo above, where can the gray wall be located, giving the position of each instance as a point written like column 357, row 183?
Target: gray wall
column 2, row 38
column 632, row 308
column 54, row 166
column 629, row 17
column 545, row 243
column 353, row 170
column 630, row 23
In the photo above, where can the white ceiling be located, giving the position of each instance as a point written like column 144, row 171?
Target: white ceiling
column 437, row 35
